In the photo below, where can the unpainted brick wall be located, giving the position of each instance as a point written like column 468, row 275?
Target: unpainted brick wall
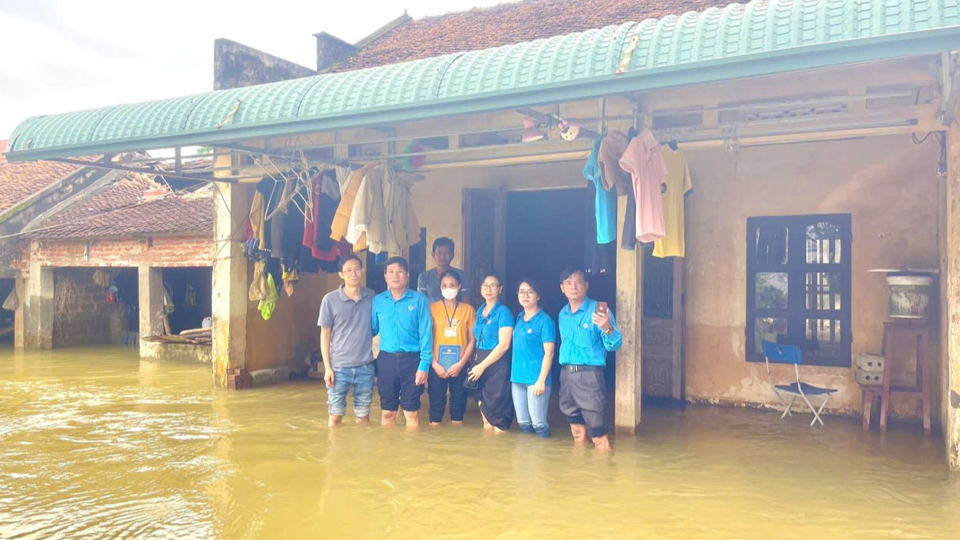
column 89, row 319
column 167, row 252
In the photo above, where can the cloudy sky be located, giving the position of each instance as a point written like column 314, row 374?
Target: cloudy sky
column 67, row 55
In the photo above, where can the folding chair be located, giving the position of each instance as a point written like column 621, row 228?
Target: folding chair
column 790, row 354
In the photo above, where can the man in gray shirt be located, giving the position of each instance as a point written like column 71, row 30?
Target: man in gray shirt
column 346, row 343
column 428, row 284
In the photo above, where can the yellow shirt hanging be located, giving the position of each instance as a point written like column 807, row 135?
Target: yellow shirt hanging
column 678, row 184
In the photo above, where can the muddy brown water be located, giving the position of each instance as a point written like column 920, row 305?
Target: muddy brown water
column 96, row 444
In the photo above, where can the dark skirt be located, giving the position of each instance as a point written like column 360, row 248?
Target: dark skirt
column 494, row 393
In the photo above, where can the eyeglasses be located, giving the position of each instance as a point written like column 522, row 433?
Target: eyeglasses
column 490, row 286
column 523, row 292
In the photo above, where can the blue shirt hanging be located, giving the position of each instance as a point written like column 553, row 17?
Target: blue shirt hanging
column 605, row 201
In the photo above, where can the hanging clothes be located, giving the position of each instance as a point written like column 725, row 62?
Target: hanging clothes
column 258, row 286
column 644, row 161
column 257, row 209
column 341, row 221
column 326, row 197
column 605, row 200
column 278, row 220
column 329, row 201
column 269, row 304
column 599, row 258
column 612, row 147
column 677, row 184
column 367, row 227
column 402, row 227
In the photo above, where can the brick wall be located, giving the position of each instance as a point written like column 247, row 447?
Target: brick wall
column 168, row 252
column 88, row 319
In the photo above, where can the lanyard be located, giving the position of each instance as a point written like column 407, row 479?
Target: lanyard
column 448, row 315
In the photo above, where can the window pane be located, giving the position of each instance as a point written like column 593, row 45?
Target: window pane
column 823, row 243
column 823, row 291
column 771, row 290
column 771, row 244
column 768, row 329
column 823, row 337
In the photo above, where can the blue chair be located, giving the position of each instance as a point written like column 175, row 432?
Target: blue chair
column 791, row 354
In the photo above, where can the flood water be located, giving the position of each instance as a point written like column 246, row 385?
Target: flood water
column 96, row 444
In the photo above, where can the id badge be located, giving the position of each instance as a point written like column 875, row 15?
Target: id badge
column 449, row 355
column 450, row 331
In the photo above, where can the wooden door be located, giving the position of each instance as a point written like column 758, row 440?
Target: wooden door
column 662, row 325
column 484, row 234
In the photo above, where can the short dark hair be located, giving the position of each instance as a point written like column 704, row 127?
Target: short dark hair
column 530, row 283
column 454, row 274
column 443, row 241
column 350, row 257
column 570, row 271
column 494, row 276
column 396, row 260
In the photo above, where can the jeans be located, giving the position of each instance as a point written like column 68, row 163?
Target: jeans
column 531, row 409
column 361, row 378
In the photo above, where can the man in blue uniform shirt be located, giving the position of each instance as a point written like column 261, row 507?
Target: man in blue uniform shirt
column 402, row 319
column 586, row 336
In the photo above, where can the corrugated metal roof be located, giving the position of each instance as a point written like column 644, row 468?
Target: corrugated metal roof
column 718, row 44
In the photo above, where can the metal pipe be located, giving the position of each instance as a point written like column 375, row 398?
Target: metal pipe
column 152, row 172
column 780, row 104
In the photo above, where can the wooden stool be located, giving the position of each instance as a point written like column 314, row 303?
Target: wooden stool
column 919, row 335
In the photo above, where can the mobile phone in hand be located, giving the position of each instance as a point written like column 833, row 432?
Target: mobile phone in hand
column 602, row 308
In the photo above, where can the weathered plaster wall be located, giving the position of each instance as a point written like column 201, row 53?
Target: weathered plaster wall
column 176, row 352
column 236, row 65
column 292, row 332
column 887, row 184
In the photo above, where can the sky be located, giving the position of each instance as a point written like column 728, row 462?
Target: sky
column 68, row 55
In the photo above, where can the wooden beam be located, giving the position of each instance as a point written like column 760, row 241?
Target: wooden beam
column 629, row 316
column 950, row 326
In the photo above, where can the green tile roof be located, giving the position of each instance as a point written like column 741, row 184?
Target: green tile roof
column 760, row 38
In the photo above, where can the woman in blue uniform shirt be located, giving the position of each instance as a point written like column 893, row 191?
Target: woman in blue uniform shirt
column 490, row 374
column 534, row 344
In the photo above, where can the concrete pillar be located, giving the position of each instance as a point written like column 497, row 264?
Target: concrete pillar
column 19, row 327
column 629, row 315
column 950, row 326
column 34, row 326
column 151, row 301
column 229, row 280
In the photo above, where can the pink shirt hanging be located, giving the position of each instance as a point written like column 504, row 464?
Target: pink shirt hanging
column 645, row 164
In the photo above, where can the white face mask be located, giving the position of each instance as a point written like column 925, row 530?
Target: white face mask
column 450, row 294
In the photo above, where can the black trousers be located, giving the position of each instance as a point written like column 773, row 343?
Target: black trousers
column 495, row 394
column 438, row 389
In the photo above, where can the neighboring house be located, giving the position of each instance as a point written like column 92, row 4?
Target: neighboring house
column 405, row 39
column 121, row 224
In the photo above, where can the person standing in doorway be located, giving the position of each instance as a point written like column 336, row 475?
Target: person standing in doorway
column 428, row 284
column 453, row 346
column 345, row 343
column 490, row 374
column 588, row 332
column 402, row 319
column 534, row 343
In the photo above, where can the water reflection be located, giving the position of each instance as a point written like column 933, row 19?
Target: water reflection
column 96, row 444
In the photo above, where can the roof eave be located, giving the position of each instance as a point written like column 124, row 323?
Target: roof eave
column 825, row 55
